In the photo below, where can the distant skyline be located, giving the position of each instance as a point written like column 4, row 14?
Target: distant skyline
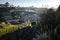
column 35, row 3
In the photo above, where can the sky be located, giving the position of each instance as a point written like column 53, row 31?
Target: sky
column 35, row 3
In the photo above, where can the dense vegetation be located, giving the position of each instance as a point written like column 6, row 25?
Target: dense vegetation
column 13, row 32
column 50, row 23
column 7, row 28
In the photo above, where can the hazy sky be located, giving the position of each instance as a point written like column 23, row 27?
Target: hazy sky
column 36, row 3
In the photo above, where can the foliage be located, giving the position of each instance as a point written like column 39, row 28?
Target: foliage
column 49, row 22
column 7, row 28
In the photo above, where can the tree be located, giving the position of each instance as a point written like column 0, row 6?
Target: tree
column 7, row 4
column 49, row 22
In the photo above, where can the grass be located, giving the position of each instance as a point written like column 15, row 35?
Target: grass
column 7, row 28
